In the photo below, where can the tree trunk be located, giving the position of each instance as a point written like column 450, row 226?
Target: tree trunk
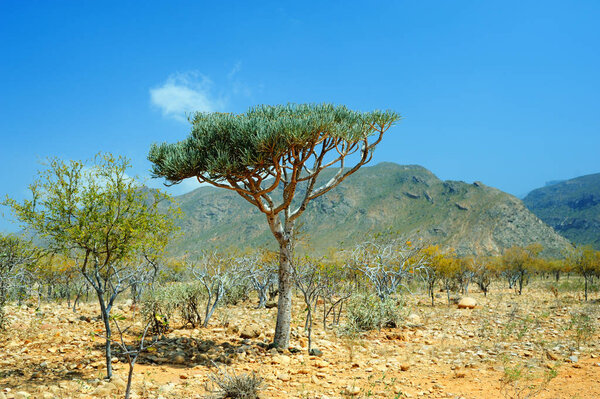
column 107, row 347
column 284, row 304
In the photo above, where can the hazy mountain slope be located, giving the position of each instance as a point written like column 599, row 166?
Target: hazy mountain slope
column 472, row 218
column 572, row 207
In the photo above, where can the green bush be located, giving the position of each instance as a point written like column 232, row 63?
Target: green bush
column 236, row 294
column 369, row 312
column 184, row 299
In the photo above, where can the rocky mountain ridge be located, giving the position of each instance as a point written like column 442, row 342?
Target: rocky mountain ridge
column 471, row 218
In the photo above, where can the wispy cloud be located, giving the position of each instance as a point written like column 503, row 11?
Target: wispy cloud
column 185, row 93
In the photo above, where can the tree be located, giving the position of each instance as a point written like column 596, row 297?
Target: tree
column 518, row 261
column 15, row 254
column 585, row 261
column 275, row 150
column 387, row 262
column 102, row 219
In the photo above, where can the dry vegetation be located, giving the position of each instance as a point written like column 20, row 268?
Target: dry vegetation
column 543, row 344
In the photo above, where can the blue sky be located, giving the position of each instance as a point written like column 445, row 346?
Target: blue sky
column 502, row 92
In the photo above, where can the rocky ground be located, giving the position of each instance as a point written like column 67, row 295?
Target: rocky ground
column 534, row 345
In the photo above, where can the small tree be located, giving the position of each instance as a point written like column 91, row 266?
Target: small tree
column 261, row 269
column 269, row 148
column 387, row 263
column 585, row 261
column 101, row 218
column 216, row 273
column 517, row 262
column 15, row 254
column 307, row 276
column 486, row 269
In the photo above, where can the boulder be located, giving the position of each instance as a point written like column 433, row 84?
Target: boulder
column 467, row 303
column 249, row 332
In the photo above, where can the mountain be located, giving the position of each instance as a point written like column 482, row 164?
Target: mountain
column 471, row 218
column 572, row 207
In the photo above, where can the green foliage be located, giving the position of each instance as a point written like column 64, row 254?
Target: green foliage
column 237, row 293
column 95, row 211
column 521, row 381
column 369, row 312
column 571, row 208
column 226, row 146
column 583, row 325
column 183, row 299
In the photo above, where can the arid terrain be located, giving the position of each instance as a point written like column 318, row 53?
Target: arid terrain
column 533, row 345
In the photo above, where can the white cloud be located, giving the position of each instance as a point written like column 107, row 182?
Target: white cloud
column 186, row 93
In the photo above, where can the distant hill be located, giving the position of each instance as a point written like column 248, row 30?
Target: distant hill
column 572, row 207
column 472, row 218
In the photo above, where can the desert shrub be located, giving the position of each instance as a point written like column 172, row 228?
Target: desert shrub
column 189, row 299
column 236, row 293
column 184, row 299
column 156, row 306
column 583, row 325
column 243, row 386
column 369, row 312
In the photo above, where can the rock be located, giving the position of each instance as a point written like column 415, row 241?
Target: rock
column 119, row 382
column 249, row 332
column 413, row 318
column 404, row 367
column 166, row 388
column 467, row 303
column 178, row 358
column 351, row 390
column 573, row 359
column 2, row 395
column 101, row 392
column 284, row 377
column 47, row 395
column 22, row 395
column 282, row 359
column 315, row 352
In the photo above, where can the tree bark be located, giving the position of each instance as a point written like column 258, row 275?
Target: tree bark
column 107, row 345
column 284, row 305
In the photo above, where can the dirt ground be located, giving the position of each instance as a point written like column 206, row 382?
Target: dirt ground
column 509, row 346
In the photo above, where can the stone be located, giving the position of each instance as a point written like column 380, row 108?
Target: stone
column 282, row 359
column 119, row 382
column 101, row 391
column 249, row 332
column 315, row 352
column 404, row 367
column 47, row 395
column 166, row 388
column 284, row 377
column 573, row 359
column 351, row 390
column 178, row 358
column 467, row 303
column 22, row 395
column 413, row 318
